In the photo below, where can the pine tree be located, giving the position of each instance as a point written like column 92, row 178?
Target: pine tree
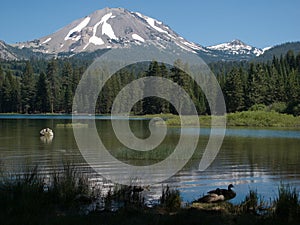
column 290, row 60
column 276, row 86
column 298, row 63
column 152, row 105
column 15, row 94
column 199, row 99
column 77, row 72
column 187, row 84
column 292, row 88
column 165, row 105
column 6, row 94
column 1, row 76
column 42, row 94
column 234, row 91
column 1, row 85
column 177, row 76
column 256, row 85
column 27, row 89
column 66, row 88
column 52, row 70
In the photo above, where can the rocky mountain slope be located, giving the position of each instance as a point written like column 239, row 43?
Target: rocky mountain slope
column 109, row 28
column 119, row 28
column 6, row 53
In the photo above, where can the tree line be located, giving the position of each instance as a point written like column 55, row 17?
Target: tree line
column 274, row 85
column 50, row 90
column 41, row 86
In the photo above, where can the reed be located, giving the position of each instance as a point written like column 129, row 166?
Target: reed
column 27, row 199
column 287, row 205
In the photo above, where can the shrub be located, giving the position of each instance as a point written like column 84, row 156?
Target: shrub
column 170, row 199
column 67, row 185
column 258, row 107
column 251, row 203
column 22, row 194
column 296, row 110
column 279, row 107
column 262, row 119
column 287, row 203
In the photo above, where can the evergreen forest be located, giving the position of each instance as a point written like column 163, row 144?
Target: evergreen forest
column 48, row 86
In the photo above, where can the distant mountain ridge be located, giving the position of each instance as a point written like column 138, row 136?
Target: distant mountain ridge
column 6, row 52
column 237, row 47
column 119, row 28
column 279, row 50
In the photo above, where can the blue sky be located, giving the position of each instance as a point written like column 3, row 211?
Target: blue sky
column 260, row 23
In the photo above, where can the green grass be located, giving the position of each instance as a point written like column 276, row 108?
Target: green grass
column 24, row 200
column 242, row 119
column 287, row 206
column 71, row 125
column 262, row 119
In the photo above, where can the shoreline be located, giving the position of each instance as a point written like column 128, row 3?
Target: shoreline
column 245, row 119
column 66, row 202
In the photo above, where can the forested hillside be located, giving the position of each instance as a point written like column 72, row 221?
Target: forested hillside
column 44, row 86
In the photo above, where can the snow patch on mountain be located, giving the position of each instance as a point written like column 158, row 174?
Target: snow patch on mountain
column 152, row 22
column 192, row 45
column 231, row 46
column 267, row 48
column 236, row 47
column 185, row 48
column 77, row 29
column 111, row 28
column 94, row 39
column 257, row 51
column 106, row 27
column 47, row 40
column 138, row 37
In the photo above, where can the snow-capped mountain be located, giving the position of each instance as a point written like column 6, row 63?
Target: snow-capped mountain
column 109, row 28
column 236, row 47
column 119, row 28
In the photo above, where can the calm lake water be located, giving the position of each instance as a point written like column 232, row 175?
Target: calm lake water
column 257, row 159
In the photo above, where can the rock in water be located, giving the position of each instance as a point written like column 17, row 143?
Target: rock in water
column 46, row 132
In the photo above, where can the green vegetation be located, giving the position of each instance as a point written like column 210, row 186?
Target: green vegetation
column 27, row 199
column 43, row 86
column 170, row 199
column 262, row 119
column 71, row 125
column 287, row 203
column 26, row 194
column 277, row 50
column 247, row 119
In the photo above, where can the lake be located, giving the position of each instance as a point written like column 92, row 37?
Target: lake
column 257, row 159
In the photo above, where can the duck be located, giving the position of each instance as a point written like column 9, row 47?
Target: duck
column 218, row 195
column 210, row 198
column 227, row 193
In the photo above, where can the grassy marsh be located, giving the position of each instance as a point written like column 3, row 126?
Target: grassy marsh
column 25, row 199
column 241, row 119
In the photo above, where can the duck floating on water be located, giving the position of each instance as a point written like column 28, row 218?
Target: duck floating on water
column 218, row 195
column 46, row 132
